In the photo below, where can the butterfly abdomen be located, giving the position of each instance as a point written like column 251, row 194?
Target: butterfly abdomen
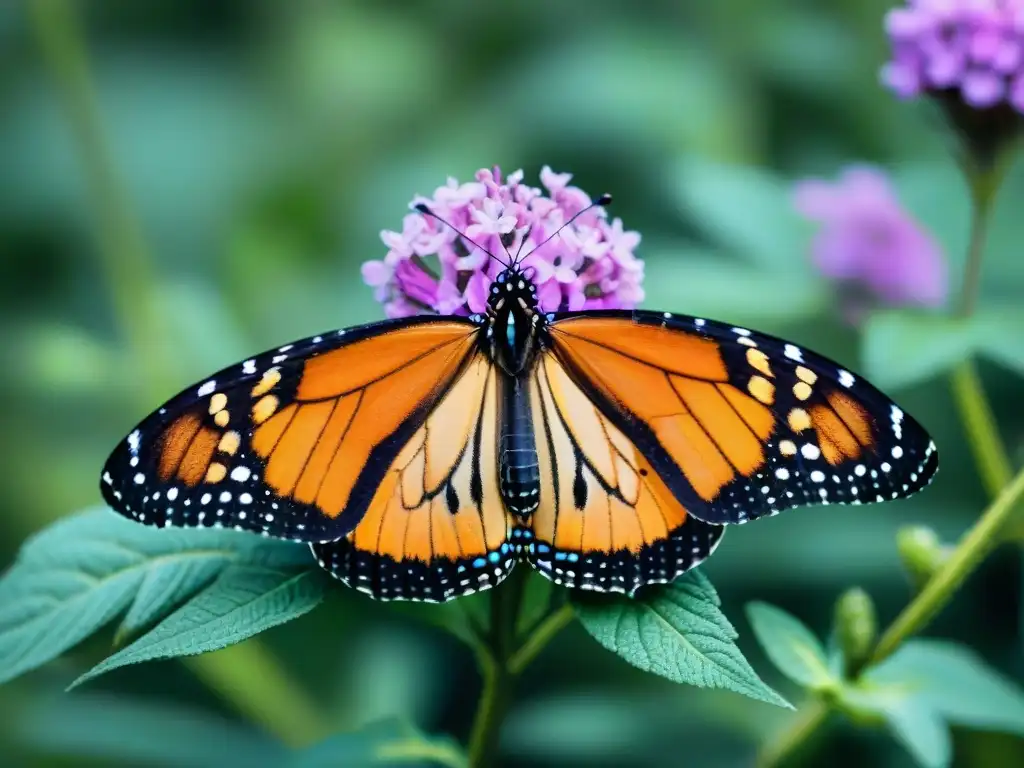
column 518, row 471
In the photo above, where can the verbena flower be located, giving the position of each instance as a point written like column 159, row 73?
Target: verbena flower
column 429, row 268
column 969, row 54
column 869, row 244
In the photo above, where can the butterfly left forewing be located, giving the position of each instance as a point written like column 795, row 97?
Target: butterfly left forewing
column 290, row 443
column 606, row 521
column 740, row 424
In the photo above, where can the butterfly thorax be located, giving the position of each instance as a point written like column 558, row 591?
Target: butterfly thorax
column 513, row 324
column 512, row 321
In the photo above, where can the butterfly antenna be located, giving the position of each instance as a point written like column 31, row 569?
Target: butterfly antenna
column 422, row 208
column 526, row 236
column 601, row 202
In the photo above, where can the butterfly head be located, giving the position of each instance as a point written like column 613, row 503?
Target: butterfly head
column 512, row 286
column 512, row 320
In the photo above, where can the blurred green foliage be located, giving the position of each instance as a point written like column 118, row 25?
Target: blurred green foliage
column 262, row 147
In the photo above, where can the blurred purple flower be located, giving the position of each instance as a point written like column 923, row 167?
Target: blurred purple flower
column 969, row 56
column 428, row 268
column 867, row 240
column 975, row 47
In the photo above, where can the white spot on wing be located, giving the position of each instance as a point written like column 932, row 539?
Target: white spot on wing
column 793, row 352
column 249, row 366
column 241, row 474
column 207, row 388
column 133, row 442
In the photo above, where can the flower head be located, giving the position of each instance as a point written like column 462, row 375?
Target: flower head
column 967, row 53
column 430, row 268
column 869, row 242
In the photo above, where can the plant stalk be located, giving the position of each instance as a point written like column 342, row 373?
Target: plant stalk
column 498, row 680
column 806, row 723
column 246, row 675
column 972, row 549
column 993, row 466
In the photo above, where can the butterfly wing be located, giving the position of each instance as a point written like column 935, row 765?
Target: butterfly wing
column 436, row 527
column 294, row 442
column 606, row 520
column 739, row 424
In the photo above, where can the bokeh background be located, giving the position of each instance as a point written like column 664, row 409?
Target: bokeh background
column 257, row 150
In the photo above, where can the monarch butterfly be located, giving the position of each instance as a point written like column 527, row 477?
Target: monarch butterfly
column 421, row 458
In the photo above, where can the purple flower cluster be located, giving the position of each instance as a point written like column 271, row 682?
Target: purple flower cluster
column 429, row 268
column 869, row 241
column 971, row 47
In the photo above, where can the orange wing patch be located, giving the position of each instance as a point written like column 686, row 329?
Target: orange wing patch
column 665, row 349
column 346, row 405
column 438, row 509
column 843, row 428
column 713, row 431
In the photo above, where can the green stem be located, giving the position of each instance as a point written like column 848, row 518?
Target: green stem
column 980, row 424
column 541, row 635
column 971, row 550
column 983, row 187
column 121, row 247
column 983, row 436
column 806, row 723
column 498, row 679
column 247, row 676
column 989, row 455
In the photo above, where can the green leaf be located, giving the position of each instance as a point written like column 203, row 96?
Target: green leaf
column 677, row 631
column 790, row 645
column 79, row 574
column 245, row 600
column 999, row 337
column 745, row 209
column 667, row 95
column 954, row 681
column 904, row 347
column 114, row 729
column 164, row 587
column 921, row 731
column 383, row 743
column 912, row 721
column 704, row 284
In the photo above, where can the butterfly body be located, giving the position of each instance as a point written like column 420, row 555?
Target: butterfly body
column 422, row 458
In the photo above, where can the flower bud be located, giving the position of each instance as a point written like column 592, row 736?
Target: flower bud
column 921, row 552
column 856, row 626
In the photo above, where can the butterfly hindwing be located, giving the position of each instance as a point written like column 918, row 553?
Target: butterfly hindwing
column 291, row 443
column 436, row 527
column 740, row 424
column 606, row 521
